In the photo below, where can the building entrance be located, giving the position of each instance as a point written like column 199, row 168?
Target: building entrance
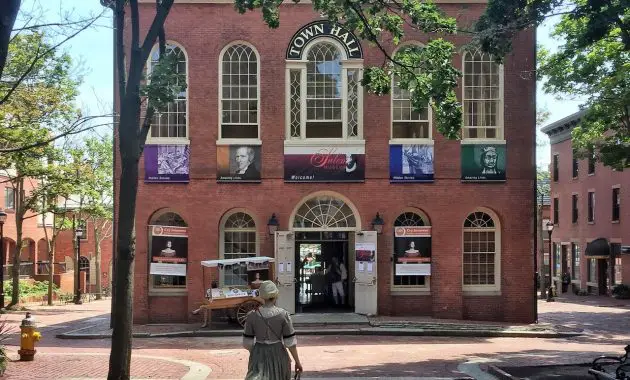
column 322, row 272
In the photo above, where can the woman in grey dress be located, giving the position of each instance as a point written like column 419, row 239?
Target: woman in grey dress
column 268, row 334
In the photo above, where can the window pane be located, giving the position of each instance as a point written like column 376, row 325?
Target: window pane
column 239, row 93
column 324, row 130
column 482, row 96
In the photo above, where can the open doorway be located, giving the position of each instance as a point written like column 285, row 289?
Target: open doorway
column 322, row 275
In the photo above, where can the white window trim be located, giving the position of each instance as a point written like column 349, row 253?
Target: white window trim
column 500, row 139
column 485, row 289
column 400, row 141
column 174, row 140
column 224, row 219
column 236, row 141
column 410, row 290
column 346, row 64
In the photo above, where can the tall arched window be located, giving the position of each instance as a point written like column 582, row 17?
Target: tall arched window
column 171, row 241
column 239, row 84
column 482, row 247
column 483, row 97
column 239, row 241
column 324, row 96
column 409, row 219
column 171, row 122
column 407, row 123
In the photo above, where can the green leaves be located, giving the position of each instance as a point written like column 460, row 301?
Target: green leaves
column 593, row 64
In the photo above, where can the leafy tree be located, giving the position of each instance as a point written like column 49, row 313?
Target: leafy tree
column 591, row 63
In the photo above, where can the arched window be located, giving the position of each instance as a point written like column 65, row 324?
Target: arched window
column 401, row 244
column 239, row 84
column 482, row 97
column 324, row 212
column 407, row 123
column 481, row 252
column 171, row 122
column 84, row 266
column 239, row 241
column 168, row 246
column 324, row 96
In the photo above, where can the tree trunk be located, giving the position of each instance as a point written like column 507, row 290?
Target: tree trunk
column 97, row 250
column 51, row 271
column 19, row 220
column 7, row 20
column 120, row 358
column 542, row 268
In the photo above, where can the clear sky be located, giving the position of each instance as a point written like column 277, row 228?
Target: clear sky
column 93, row 49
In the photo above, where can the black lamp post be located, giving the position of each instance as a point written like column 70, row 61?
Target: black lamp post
column 77, row 295
column 273, row 224
column 549, row 290
column 3, row 218
column 377, row 224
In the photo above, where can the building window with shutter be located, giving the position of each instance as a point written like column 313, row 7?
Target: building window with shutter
column 556, row 171
column 574, row 208
column 616, row 204
column 591, row 206
column 556, row 211
column 575, row 261
column 591, row 162
column 575, row 166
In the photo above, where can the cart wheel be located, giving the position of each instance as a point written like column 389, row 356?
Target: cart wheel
column 244, row 309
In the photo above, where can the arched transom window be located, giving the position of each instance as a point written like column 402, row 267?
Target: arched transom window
column 407, row 123
column 481, row 251
column 483, row 97
column 409, row 219
column 239, row 241
column 170, row 122
column 239, row 93
column 324, row 96
column 324, row 212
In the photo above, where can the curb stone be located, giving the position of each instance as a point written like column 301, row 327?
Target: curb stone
column 374, row 331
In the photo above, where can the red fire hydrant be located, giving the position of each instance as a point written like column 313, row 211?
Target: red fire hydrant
column 28, row 338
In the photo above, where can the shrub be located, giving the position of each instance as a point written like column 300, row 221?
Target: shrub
column 621, row 291
column 5, row 330
column 28, row 288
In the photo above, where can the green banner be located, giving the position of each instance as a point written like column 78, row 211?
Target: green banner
column 483, row 162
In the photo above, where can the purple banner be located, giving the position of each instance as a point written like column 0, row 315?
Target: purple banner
column 166, row 163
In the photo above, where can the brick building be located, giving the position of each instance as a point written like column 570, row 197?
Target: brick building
column 275, row 127
column 590, row 221
column 33, row 234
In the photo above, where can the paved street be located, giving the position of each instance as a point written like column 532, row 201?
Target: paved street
column 606, row 330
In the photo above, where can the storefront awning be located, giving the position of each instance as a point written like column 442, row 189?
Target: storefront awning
column 598, row 248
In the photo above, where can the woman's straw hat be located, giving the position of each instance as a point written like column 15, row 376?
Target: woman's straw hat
column 268, row 290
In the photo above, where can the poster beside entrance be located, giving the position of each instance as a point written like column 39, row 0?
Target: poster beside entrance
column 412, row 251
column 169, row 248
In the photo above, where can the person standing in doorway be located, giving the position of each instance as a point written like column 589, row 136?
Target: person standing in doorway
column 339, row 274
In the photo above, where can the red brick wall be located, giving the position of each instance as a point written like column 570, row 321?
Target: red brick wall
column 601, row 183
column 32, row 230
column 447, row 201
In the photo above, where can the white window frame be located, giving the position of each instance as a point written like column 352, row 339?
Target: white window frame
column 500, row 127
column 237, row 141
column 494, row 289
column 174, row 140
column 404, row 141
column 346, row 64
column 222, row 222
column 411, row 289
column 7, row 190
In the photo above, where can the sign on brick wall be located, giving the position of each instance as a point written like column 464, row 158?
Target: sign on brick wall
column 483, row 162
column 411, row 163
column 166, row 163
column 324, row 164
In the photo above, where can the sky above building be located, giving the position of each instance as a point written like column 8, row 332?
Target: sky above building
column 92, row 49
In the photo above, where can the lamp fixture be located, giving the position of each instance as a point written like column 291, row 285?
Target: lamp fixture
column 377, row 224
column 273, row 224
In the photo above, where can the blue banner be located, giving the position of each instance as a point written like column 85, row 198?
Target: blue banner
column 411, row 163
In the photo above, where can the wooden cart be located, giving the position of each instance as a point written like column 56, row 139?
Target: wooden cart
column 241, row 305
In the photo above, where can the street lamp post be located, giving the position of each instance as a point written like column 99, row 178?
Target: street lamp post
column 3, row 218
column 77, row 294
column 550, row 289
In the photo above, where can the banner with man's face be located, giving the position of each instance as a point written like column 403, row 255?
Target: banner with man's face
column 238, row 163
column 319, row 163
column 483, row 162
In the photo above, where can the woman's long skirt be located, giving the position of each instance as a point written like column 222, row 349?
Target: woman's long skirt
column 269, row 362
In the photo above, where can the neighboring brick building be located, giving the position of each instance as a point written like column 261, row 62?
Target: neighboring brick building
column 274, row 122
column 33, row 234
column 587, row 205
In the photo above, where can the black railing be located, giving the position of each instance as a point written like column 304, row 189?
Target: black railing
column 43, row 267
column 26, row 270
